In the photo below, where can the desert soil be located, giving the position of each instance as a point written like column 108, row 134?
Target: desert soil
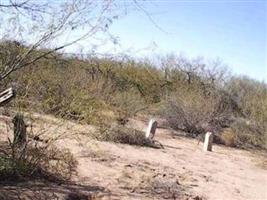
column 180, row 170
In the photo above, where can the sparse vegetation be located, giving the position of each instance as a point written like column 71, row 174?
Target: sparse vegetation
column 122, row 134
column 68, row 119
column 228, row 137
column 34, row 158
column 192, row 95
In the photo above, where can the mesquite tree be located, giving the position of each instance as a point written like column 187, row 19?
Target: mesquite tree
column 31, row 30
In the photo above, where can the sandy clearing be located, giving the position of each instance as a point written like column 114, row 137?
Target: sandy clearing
column 179, row 171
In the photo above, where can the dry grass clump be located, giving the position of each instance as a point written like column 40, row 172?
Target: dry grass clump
column 36, row 162
column 122, row 134
column 263, row 164
column 248, row 134
column 228, row 137
column 243, row 134
column 32, row 157
column 139, row 179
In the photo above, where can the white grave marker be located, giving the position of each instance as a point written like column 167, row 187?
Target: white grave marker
column 208, row 141
column 151, row 129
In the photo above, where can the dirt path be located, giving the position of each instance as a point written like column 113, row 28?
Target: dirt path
column 179, row 171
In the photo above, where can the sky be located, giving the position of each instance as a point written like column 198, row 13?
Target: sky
column 232, row 30
column 235, row 31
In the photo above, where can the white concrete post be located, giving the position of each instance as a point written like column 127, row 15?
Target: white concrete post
column 151, row 129
column 208, row 141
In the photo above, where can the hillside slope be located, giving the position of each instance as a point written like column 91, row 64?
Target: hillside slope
column 117, row 171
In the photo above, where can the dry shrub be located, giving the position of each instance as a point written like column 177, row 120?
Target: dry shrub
column 128, row 104
column 157, row 184
column 35, row 158
column 122, row 134
column 251, row 96
column 37, row 161
column 228, row 137
column 80, row 89
column 248, row 134
column 195, row 113
column 57, row 163
column 198, row 95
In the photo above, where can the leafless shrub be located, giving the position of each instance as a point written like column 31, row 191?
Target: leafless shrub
column 196, row 114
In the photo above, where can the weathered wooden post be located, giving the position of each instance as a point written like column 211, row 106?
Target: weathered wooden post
column 151, row 129
column 20, row 135
column 20, row 132
column 208, row 141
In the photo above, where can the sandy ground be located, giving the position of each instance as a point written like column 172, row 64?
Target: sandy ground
column 179, row 171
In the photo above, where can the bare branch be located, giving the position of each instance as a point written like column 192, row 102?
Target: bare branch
column 87, row 16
